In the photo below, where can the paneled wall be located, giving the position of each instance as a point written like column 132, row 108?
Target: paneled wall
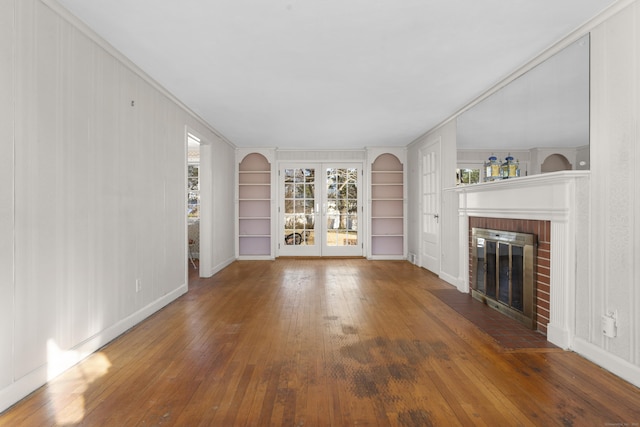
column 7, row 38
column 94, row 169
column 223, row 212
column 614, row 284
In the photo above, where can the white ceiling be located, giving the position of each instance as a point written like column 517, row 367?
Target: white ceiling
column 330, row 74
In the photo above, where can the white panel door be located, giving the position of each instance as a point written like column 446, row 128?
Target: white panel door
column 320, row 208
column 430, row 207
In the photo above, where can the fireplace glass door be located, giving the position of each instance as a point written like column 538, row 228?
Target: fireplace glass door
column 502, row 270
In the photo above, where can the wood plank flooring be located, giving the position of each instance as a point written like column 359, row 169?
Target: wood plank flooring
column 324, row 342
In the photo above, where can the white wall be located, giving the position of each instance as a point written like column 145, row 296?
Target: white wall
column 614, row 283
column 6, row 190
column 100, row 195
column 412, row 177
column 608, row 279
column 223, row 235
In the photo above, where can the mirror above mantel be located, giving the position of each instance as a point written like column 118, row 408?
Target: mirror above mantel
column 541, row 118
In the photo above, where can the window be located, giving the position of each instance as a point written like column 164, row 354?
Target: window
column 466, row 176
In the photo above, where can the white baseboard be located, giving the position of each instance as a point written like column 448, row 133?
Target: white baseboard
column 455, row 281
column 39, row 377
column 204, row 272
column 612, row 363
column 558, row 336
column 256, row 258
column 221, row 266
column 387, row 257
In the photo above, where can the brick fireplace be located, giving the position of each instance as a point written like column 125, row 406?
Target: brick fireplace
column 542, row 230
column 548, row 205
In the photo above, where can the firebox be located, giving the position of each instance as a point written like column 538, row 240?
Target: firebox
column 503, row 269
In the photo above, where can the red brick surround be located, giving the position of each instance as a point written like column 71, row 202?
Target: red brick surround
column 542, row 230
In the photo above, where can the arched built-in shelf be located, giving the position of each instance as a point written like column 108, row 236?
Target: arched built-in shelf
column 387, row 207
column 254, row 206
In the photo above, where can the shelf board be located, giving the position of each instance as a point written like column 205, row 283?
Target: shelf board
column 254, row 235
column 387, row 235
column 254, row 217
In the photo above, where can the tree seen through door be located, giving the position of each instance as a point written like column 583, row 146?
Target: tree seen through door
column 299, row 206
column 342, row 207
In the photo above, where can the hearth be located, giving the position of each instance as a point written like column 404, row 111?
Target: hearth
column 503, row 265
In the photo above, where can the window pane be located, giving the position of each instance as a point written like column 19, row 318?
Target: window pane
column 299, row 206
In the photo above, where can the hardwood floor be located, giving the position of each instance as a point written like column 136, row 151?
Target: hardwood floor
column 339, row 342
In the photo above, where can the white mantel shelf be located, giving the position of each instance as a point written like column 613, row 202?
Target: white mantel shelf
column 559, row 197
column 541, row 197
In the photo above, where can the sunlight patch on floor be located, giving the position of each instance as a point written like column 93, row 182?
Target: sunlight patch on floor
column 67, row 389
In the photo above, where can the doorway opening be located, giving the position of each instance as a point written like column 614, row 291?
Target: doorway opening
column 193, row 199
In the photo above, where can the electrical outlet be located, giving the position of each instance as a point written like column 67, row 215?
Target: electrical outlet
column 138, row 285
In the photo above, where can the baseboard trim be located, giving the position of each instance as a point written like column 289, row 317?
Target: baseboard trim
column 22, row 387
column 224, row 264
column 452, row 280
column 558, row 336
column 612, row 363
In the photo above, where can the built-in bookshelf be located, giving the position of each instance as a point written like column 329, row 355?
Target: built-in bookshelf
column 387, row 206
column 254, row 206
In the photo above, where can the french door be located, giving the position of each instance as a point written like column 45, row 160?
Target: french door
column 320, row 210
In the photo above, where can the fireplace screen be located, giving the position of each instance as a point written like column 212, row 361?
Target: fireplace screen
column 503, row 272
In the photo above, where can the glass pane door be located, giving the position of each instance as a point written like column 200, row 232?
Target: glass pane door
column 341, row 212
column 320, row 212
column 299, row 212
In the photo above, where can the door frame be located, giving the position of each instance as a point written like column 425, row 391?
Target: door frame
column 206, row 206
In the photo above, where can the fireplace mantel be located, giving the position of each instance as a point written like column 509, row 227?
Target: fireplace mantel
column 559, row 197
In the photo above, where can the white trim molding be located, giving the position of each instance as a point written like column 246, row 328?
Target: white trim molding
column 616, row 365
